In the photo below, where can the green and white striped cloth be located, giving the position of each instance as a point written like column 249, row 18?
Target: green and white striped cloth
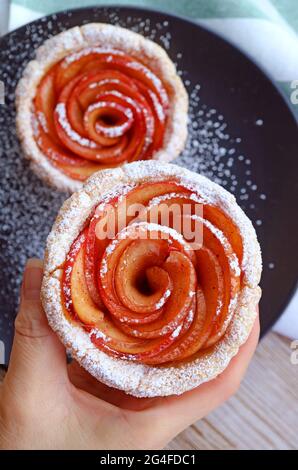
column 265, row 29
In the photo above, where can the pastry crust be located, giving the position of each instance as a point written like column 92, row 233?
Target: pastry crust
column 101, row 34
column 138, row 379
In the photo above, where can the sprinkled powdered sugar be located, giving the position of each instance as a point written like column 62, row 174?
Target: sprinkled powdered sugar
column 73, row 135
column 139, row 379
column 116, row 130
column 163, row 299
column 26, row 203
column 82, row 40
column 98, row 334
column 232, row 258
column 88, row 50
column 176, row 332
column 42, row 121
column 103, row 82
column 157, row 106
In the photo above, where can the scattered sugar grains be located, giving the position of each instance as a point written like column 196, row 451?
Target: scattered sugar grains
column 28, row 206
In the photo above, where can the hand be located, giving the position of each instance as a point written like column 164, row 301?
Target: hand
column 47, row 404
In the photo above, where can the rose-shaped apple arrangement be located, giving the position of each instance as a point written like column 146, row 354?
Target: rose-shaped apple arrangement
column 151, row 278
column 98, row 96
column 98, row 108
column 148, row 295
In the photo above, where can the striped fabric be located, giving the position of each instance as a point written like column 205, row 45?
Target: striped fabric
column 265, row 29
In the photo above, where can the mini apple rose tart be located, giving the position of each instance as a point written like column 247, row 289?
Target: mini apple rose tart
column 151, row 278
column 96, row 97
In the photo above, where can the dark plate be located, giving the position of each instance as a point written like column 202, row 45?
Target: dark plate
column 255, row 155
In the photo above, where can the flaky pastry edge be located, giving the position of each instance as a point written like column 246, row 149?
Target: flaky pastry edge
column 98, row 34
column 138, row 379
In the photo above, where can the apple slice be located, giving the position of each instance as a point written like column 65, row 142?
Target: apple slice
column 96, row 127
column 108, row 268
column 86, row 310
column 192, row 337
column 183, row 277
column 131, row 207
column 88, row 148
column 97, row 243
column 211, row 280
column 159, row 113
column 56, row 152
column 95, row 247
column 67, row 272
column 115, row 343
column 141, row 284
column 216, row 242
column 104, row 334
column 44, row 104
column 97, row 59
column 82, row 172
column 95, row 83
column 227, row 226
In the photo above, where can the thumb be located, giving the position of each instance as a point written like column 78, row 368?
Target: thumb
column 36, row 352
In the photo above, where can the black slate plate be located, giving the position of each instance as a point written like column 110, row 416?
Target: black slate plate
column 242, row 134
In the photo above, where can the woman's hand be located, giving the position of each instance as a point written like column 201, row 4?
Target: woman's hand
column 47, row 404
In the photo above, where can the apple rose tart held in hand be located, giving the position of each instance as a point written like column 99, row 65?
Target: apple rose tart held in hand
column 96, row 97
column 151, row 278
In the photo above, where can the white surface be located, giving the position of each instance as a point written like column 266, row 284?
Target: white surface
column 20, row 15
column 272, row 45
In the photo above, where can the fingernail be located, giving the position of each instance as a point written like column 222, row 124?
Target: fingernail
column 32, row 280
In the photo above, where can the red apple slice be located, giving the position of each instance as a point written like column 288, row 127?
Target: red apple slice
column 68, row 135
column 44, row 103
column 58, row 154
column 141, row 284
column 183, row 278
column 211, row 281
column 96, row 59
column 143, row 307
column 98, row 130
column 117, row 344
column 104, row 333
column 95, row 247
column 86, row 310
column 227, row 226
column 107, row 289
column 67, row 272
column 216, row 242
column 82, row 172
column 191, row 338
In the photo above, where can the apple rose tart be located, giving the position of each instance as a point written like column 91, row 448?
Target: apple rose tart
column 96, row 97
column 151, row 278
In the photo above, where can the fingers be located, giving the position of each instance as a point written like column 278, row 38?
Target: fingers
column 37, row 352
column 81, row 379
column 173, row 414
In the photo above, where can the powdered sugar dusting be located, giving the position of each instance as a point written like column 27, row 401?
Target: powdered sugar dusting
column 27, row 204
column 72, row 134
column 156, row 65
column 163, row 299
column 134, row 378
column 89, row 50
